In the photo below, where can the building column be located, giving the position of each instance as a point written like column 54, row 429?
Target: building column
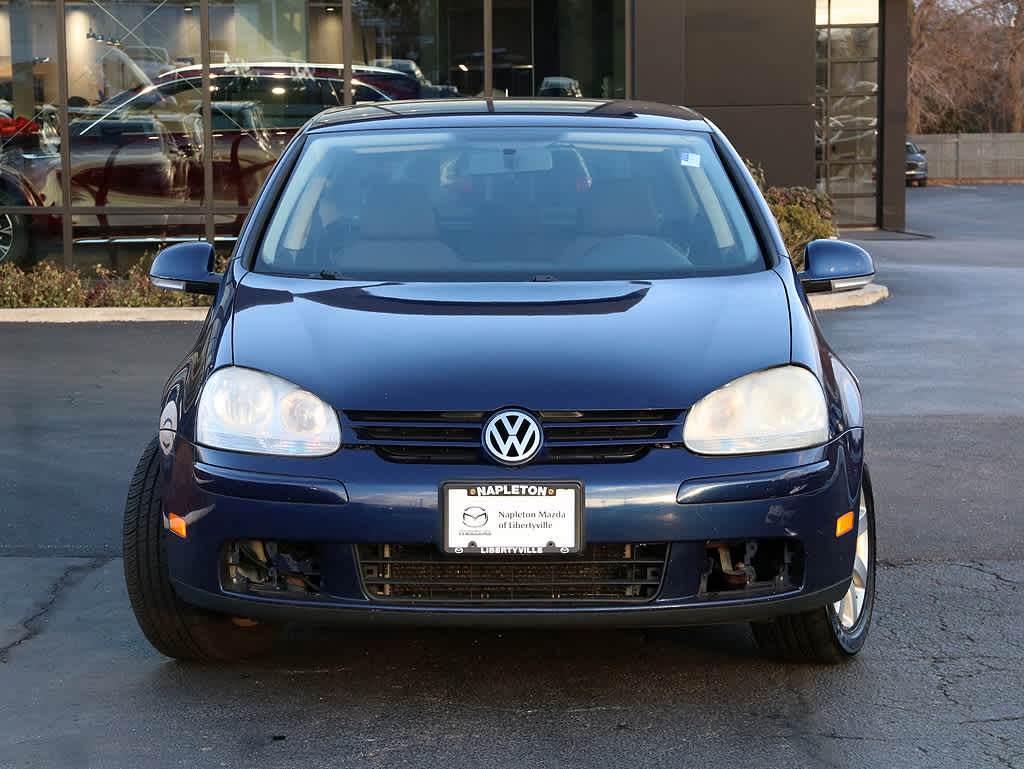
column 659, row 31
column 892, row 191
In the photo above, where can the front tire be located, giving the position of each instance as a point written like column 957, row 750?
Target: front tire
column 172, row 626
column 838, row 631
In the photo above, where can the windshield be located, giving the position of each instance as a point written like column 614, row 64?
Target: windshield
column 509, row 204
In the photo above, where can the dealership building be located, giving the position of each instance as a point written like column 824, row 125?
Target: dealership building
column 126, row 124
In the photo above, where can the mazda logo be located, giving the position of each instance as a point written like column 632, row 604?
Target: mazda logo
column 512, row 437
column 474, row 517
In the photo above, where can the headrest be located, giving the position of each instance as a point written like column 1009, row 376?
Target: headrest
column 625, row 208
column 398, row 212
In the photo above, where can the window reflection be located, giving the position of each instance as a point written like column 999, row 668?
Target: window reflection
column 29, row 88
column 29, row 159
column 846, row 114
column 120, row 241
column 559, row 48
column 132, row 143
column 437, row 46
column 156, row 155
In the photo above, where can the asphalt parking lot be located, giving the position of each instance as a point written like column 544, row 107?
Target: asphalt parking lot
column 939, row 685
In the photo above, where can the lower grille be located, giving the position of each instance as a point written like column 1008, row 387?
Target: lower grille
column 421, row 574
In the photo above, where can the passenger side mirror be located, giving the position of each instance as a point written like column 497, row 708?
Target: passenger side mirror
column 832, row 265
column 186, row 267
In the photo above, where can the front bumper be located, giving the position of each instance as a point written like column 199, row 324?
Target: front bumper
column 668, row 496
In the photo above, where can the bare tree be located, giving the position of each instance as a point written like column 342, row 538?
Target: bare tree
column 1007, row 20
column 966, row 66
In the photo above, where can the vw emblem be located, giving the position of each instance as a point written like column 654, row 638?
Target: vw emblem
column 512, row 437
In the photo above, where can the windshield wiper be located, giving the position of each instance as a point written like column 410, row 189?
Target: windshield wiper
column 543, row 279
column 328, row 275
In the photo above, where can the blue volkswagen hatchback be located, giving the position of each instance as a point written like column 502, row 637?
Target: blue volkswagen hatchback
column 500, row 363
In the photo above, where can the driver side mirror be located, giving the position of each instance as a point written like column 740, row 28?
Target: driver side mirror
column 186, row 267
column 833, row 265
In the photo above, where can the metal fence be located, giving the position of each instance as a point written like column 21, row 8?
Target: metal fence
column 973, row 156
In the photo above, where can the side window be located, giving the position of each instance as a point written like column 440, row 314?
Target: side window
column 176, row 96
column 185, row 95
column 287, row 102
column 364, row 93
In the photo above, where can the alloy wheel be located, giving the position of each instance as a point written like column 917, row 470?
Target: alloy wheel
column 6, row 236
column 849, row 608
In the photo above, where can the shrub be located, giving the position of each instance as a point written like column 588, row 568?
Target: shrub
column 133, row 289
column 47, row 285
column 803, row 215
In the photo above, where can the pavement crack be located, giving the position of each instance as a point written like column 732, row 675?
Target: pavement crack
column 988, row 572
column 33, row 624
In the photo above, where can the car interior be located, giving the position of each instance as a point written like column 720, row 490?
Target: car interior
column 516, row 211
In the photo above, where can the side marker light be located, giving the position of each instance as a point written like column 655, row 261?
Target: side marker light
column 177, row 524
column 843, row 523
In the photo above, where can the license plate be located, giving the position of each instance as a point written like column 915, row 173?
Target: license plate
column 520, row 518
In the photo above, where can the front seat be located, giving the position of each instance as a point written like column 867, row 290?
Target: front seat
column 613, row 211
column 397, row 231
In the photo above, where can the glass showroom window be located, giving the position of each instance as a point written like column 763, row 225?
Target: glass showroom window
column 29, row 146
column 847, row 99
column 134, row 141
column 560, row 48
column 108, row 121
column 438, row 44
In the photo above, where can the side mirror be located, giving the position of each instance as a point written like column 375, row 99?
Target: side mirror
column 922, row 151
column 832, row 265
column 186, row 267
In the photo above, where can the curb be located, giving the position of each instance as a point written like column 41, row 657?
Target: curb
column 862, row 297
column 971, row 180
column 102, row 314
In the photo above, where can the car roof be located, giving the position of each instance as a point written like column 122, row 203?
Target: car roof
column 271, row 68
column 596, row 112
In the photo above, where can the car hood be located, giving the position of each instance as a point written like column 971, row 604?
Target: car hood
column 481, row 346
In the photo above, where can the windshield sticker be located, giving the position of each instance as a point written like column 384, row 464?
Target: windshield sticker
column 689, row 159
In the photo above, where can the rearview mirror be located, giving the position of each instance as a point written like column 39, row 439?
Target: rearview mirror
column 186, row 267
column 833, row 265
column 498, row 160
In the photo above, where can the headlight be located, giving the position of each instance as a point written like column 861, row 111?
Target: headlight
column 776, row 409
column 246, row 410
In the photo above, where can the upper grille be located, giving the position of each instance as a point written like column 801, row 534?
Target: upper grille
column 453, row 437
column 629, row 573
